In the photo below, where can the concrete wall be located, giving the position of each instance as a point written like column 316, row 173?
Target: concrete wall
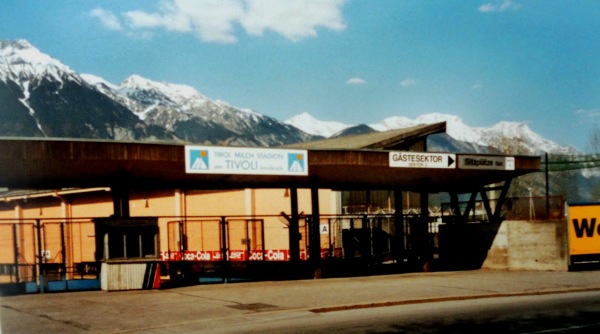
column 530, row 245
column 129, row 276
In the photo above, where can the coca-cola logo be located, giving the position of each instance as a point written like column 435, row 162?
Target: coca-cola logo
column 255, row 256
column 235, row 255
column 275, row 255
column 197, row 256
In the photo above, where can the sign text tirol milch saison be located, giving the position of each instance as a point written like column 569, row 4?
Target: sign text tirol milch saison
column 239, row 160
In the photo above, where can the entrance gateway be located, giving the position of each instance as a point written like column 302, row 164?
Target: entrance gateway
column 130, row 167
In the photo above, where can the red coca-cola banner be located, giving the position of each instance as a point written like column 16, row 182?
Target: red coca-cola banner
column 240, row 255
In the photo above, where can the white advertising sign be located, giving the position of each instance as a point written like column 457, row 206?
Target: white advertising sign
column 422, row 160
column 240, row 160
column 486, row 162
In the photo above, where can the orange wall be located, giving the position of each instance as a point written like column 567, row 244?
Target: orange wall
column 216, row 203
column 91, row 205
column 203, row 233
column 242, row 202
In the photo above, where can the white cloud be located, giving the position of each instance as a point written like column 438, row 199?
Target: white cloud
column 408, row 83
column 477, row 86
column 210, row 20
column 356, row 81
column 107, row 18
column 293, row 19
column 591, row 113
column 215, row 21
column 499, row 6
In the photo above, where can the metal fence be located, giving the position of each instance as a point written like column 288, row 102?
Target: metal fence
column 514, row 208
column 46, row 251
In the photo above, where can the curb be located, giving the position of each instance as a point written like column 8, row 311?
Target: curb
column 446, row 299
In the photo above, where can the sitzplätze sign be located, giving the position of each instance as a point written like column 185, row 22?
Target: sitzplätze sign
column 486, row 162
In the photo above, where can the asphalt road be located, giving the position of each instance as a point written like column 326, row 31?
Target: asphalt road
column 478, row 301
column 556, row 313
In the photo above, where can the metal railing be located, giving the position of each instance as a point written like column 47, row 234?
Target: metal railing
column 513, row 208
column 47, row 250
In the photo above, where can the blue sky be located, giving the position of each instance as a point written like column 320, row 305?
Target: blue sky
column 351, row 61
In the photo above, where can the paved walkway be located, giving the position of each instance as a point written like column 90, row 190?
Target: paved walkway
column 205, row 307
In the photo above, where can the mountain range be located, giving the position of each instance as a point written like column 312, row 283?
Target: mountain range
column 42, row 97
column 504, row 137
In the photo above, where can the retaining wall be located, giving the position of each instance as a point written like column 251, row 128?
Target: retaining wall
column 510, row 245
column 530, row 245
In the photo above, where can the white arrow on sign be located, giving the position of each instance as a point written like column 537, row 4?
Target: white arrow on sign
column 422, row 160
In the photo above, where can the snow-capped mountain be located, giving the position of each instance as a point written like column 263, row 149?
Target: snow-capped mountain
column 313, row 126
column 519, row 138
column 455, row 127
column 194, row 117
column 25, row 65
column 43, row 97
column 505, row 137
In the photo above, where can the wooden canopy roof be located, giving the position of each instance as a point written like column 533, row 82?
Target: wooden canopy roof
column 345, row 163
column 400, row 139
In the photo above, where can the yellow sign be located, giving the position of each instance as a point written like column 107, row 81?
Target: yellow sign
column 584, row 229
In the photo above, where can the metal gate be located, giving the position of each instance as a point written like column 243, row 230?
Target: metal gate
column 208, row 249
column 18, row 263
column 380, row 238
column 229, row 247
column 245, row 239
column 47, row 255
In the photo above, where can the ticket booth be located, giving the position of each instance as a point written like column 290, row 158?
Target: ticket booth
column 128, row 250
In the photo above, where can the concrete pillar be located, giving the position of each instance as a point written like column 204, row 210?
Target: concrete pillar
column 180, row 203
column 67, row 233
column 294, row 232
column 120, row 197
column 399, row 227
column 424, row 246
column 315, row 240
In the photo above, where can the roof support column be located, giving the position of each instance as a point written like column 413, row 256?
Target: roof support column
column 501, row 199
column 425, row 247
column 120, row 197
column 456, row 213
column 294, row 227
column 470, row 207
column 486, row 204
column 16, row 253
column 315, row 236
column 399, row 227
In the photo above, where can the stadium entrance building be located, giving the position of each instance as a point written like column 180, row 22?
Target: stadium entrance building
column 181, row 214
